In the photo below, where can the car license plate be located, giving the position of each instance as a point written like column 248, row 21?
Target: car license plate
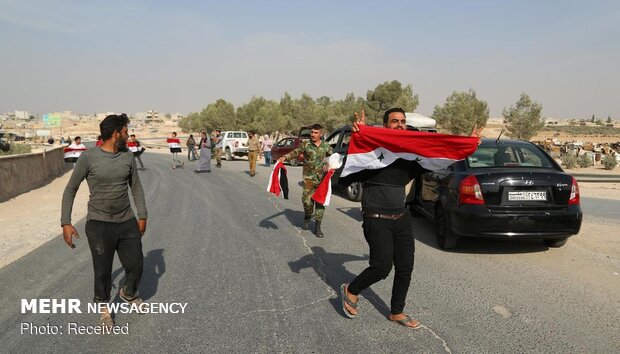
column 527, row 195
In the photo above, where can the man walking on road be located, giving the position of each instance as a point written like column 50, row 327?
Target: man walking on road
column 111, row 225
column 253, row 149
column 217, row 149
column 387, row 226
column 266, row 146
column 314, row 168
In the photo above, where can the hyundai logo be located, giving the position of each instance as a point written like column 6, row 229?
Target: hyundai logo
column 529, row 183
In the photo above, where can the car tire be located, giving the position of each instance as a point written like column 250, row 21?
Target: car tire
column 353, row 192
column 446, row 239
column 555, row 242
column 294, row 162
column 229, row 156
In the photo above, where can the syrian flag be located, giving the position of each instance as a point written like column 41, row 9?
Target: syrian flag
column 374, row 148
column 174, row 142
column 278, row 181
column 132, row 146
column 73, row 153
column 323, row 192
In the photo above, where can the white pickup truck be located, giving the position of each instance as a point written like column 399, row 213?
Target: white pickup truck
column 234, row 143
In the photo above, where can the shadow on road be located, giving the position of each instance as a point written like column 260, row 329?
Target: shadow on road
column 295, row 217
column 424, row 231
column 154, row 268
column 330, row 268
column 353, row 213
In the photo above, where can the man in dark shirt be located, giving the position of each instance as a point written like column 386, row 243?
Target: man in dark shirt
column 111, row 225
column 387, row 227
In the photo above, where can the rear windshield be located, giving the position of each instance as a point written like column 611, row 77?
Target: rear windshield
column 304, row 132
column 508, row 156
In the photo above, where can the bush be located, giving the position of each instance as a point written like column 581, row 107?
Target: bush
column 569, row 161
column 584, row 161
column 17, row 149
column 609, row 161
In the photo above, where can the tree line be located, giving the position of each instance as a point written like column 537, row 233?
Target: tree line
column 458, row 115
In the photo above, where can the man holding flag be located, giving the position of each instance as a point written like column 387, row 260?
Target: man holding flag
column 385, row 161
column 314, row 170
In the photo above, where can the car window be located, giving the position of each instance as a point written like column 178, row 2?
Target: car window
column 304, row 132
column 237, row 135
column 244, row 135
column 333, row 139
column 281, row 143
column 289, row 142
column 508, row 156
column 346, row 137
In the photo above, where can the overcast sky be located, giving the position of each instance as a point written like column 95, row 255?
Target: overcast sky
column 179, row 56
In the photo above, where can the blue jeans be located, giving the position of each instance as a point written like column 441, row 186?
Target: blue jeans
column 267, row 155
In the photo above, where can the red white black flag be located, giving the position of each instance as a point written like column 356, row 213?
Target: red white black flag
column 278, row 182
column 374, row 148
column 323, row 192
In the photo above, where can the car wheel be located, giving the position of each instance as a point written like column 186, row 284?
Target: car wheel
column 229, row 155
column 354, row 191
column 446, row 239
column 556, row 242
column 294, row 162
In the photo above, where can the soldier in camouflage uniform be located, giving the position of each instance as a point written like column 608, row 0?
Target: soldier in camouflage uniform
column 314, row 169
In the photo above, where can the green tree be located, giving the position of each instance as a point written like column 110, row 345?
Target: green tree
column 608, row 119
column 461, row 111
column 220, row 115
column 261, row 115
column 388, row 95
column 524, row 120
column 593, row 119
column 191, row 123
column 286, row 106
column 305, row 111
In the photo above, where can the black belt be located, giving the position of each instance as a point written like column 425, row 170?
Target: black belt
column 385, row 216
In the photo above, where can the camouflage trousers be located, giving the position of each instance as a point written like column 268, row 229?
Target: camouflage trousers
column 310, row 205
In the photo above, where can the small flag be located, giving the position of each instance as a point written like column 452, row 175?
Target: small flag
column 278, row 181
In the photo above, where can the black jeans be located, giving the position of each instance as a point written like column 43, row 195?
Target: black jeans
column 391, row 242
column 104, row 238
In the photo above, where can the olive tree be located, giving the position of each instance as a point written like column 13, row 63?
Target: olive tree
column 461, row 112
column 524, row 119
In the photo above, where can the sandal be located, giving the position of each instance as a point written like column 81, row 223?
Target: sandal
column 407, row 321
column 107, row 324
column 347, row 301
column 136, row 300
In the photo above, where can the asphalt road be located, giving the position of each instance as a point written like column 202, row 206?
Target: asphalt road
column 254, row 282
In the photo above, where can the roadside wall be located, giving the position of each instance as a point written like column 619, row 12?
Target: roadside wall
column 24, row 172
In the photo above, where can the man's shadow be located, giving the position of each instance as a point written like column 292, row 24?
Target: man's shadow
column 330, row 268
column 154, row 267
column 295, row 217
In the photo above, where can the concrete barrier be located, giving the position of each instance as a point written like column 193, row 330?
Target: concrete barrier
column 24, row 172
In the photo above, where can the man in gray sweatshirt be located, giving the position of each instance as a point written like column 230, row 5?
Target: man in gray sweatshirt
column 111, row 225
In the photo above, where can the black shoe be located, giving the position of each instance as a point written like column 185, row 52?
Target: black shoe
column 317, row 229
column 307, row 222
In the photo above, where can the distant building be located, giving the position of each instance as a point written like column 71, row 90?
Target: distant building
column 151, row 116
column 22, row 115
